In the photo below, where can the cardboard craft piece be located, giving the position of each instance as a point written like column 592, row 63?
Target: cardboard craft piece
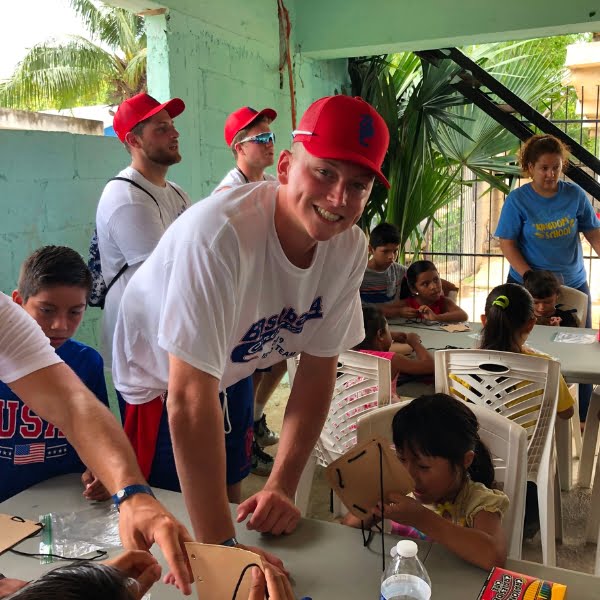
column 455, row 327
column 14, row 529
column 217, row 570
column 355, row 476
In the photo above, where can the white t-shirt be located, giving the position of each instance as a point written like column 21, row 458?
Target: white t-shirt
column 23, row 346
column 129, row 225
column 235, row 177
column 219, row 293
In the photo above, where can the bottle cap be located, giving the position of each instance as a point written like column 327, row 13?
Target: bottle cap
column 407, row 548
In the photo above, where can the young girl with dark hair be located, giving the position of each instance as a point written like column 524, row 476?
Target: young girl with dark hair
column 509, row 318
column 379, row 339
column 421, row 290
column 436, row 438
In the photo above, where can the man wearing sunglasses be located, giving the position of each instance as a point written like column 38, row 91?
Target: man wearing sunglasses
column 251, row 140
column 243, row 280
column 247, row 132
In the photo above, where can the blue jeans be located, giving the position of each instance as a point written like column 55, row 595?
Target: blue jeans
column 585, row 389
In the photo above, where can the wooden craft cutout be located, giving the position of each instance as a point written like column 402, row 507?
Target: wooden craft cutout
column 455, row 327
column 217, row 570
column 355, row 476
column 14, row 530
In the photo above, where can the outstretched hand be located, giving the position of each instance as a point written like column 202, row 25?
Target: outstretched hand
column 272, row 512
column 145, row 521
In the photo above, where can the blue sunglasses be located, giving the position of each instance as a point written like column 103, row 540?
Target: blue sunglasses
column 261, row 138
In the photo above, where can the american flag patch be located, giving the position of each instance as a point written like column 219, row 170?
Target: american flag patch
column 29, row 453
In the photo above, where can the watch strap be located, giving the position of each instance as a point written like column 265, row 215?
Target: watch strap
column 231, row 542
column 131, row 490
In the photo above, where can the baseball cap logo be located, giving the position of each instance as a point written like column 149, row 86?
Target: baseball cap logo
column 366, row 130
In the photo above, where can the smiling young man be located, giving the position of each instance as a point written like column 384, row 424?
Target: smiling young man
column 241, row 281
column 138, row 205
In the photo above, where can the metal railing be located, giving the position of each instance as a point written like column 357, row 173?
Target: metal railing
column 461, row 239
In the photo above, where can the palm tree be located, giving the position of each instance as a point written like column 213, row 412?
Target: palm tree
column 435, row 134
column 105, row 69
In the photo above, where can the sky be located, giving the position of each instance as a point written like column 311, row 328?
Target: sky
column 27, row 22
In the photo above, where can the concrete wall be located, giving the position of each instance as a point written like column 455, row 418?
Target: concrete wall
column 34, row 121
column 217, row 57
column 49, row 187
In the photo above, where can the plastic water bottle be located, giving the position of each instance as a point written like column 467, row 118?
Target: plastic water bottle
column 405, row 577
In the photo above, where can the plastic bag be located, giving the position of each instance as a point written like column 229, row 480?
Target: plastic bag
column 574, row 338
column 76, row 534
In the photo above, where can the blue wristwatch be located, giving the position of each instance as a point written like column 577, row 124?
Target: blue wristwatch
column 130, row 490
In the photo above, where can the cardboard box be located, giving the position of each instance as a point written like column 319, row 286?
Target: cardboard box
column 502, row 584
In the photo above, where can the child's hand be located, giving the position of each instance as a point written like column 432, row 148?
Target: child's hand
column 401, row 509
column 427, row 313
column 138, row 565
column 555, row 321
column 407, row 312
column 93, row 487
column 413, row 339
column 399, row 337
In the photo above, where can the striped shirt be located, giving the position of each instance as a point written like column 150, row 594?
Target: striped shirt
column 379, row 287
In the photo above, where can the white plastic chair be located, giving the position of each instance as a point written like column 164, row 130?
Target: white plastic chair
column 524, row 389
column 590, row 439
column 507, row 443
column 567, row 430
column 573, row 298
column 363, row 383
column 590, row 442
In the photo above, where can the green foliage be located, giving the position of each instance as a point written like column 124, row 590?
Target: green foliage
column 77, row 71
column 436, row 135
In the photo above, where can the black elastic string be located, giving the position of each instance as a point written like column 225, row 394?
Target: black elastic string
column 239, row 583
column 357, row 456
column 99, row 555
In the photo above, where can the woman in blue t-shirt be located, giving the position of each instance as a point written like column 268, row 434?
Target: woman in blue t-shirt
column 541, row 221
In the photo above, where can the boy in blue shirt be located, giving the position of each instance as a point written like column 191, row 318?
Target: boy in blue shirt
column 54, row 284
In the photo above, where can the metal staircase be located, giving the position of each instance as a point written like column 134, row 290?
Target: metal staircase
column 479, row 87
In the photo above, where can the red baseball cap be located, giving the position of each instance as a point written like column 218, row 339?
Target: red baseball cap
column 242, row 117
column 139, row 108
column 345, row 128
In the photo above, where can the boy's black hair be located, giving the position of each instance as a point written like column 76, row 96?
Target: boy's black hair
column 506, row 320
column 51, row 266
column 415, row 269
column 541, row 284
column 374, row 322
column 83, row 581
column 384, row 233
column 440, row 425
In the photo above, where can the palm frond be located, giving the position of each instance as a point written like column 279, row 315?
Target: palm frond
column 57, row 75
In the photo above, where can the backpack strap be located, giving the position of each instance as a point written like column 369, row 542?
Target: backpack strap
column 116, row 277
column 137, row 185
